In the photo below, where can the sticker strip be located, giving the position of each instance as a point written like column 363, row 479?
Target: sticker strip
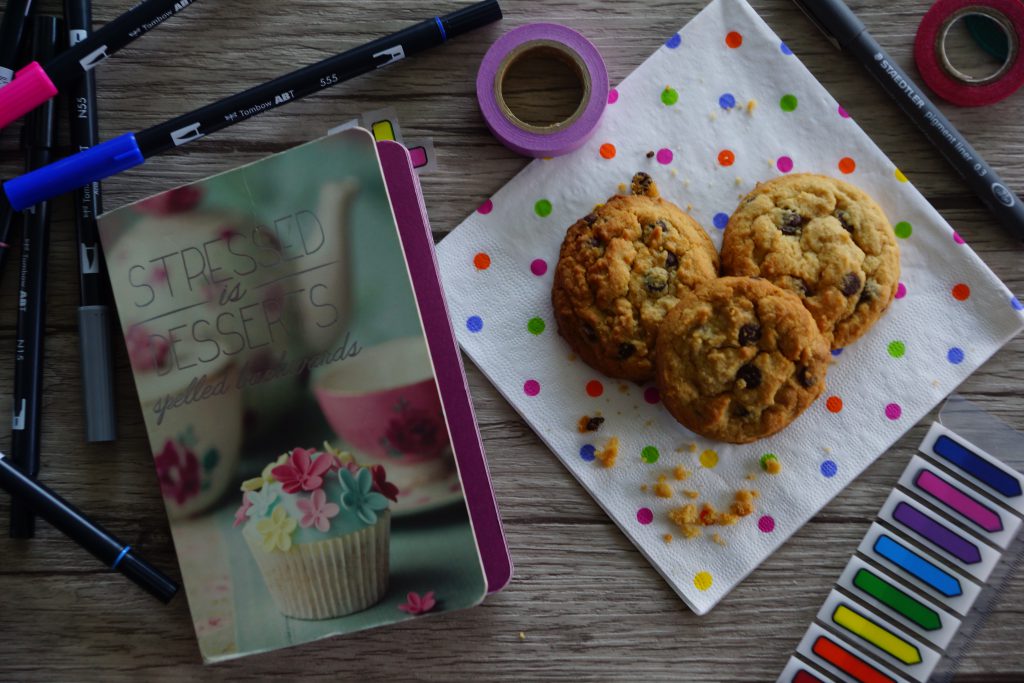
column 973, row 463
column 844, row 660
column 796, row 671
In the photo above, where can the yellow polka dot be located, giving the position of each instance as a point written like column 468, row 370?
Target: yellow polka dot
column 702, row 581
column 900, row 177
column 709, row 458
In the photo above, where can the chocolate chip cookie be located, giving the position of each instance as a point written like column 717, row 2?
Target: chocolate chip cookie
column 620, row 270
column 738, row 359
column 822, row 239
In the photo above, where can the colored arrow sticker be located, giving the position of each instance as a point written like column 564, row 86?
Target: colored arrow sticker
column 917, row 566
column 892, row 597
column 882, row 638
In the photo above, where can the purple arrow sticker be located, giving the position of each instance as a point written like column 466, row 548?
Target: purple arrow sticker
column 950, row 541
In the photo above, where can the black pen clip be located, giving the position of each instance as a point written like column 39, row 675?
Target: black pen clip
column 803, row 5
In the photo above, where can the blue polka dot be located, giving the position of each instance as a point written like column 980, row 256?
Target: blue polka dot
column 836, row 352
column 1017, row 305
column 829, row 469
column 674, row 41
column 721, row 220
column 587, row 452
column 727, row 101
column 955, row 355
column 474, row 323
column 785, row 49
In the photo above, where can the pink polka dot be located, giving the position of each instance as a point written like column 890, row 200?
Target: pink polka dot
column 957, row 238
column 486, row 207
column 651, row 395
column 893, row 411
column 766, row 524
column 613, row 96
column 531, row 387
column 644, row 516
column 784, row 164
column 665, row 156
column 901, row 290
column 843, row 113
column 539, row 267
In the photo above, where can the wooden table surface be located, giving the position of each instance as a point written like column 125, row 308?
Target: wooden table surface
column 589, row 605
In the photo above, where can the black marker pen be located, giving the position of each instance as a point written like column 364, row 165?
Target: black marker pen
column 93, row 313
column 11, row 29
column 845, row 30
column 132, row 149
column 35, row 83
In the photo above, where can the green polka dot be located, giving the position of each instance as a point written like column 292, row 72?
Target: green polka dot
column 542, row 207
column 903, row 229
column 766, row 458
column 535, row 326
column 669, row 96
column 788, row 103
column 897, row 349
column 650, row 455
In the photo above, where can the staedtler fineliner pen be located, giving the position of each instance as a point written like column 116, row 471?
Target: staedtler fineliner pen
column 11, row 29
column 846, row 31
column 37, row 141
column 132, row 149
column 93, row 312
column 36, row 83
column 70, row 521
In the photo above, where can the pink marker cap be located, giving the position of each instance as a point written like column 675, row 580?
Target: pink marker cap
column 30, row 88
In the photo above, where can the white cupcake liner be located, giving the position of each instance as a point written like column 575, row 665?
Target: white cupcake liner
column 330, row 578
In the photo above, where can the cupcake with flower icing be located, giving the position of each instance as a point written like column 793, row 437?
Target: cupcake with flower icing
column 318, row 525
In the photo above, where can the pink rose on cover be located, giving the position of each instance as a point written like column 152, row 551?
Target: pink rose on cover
column 178, row 200
column 316, row 511
column 302, row 472
column 241, row 513
column 178, row 472
column 415, row 433
column 145, row 351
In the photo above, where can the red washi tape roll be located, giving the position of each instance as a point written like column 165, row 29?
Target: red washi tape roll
column 945, row 79
column 562, row 43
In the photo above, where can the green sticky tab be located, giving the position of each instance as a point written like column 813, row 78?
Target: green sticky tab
column 892, row 597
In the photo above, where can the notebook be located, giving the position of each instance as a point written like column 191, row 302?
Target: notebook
column 305, row 401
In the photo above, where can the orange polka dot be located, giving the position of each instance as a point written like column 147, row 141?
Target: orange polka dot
column 733, row 39
column 847, row 165
column 834, row 404
column 726, row 157
column 608, row 151
column 482, row 261
column 961, row 292
column 594, row 388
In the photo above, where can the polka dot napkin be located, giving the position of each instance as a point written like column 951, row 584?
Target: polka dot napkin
column 722, row 104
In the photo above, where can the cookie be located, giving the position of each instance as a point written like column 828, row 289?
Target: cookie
column 824, row 240
column 620, row 270
column 739, row 359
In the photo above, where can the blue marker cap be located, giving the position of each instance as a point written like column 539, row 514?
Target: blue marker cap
column 73, row 172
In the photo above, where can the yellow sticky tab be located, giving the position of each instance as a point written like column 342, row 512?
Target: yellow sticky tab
column 876, row 635
column 383, row 130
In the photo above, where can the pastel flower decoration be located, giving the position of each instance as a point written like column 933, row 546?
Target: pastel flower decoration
column 302, row 472
column 254, row 484
column 416, row 604
column 177, row 468
column 268, row 477
column 381, row 484
column 340, row 457
column 316, row 511
column 242, row 513
column 261, row 502
column 357, row 495
column 277, row 531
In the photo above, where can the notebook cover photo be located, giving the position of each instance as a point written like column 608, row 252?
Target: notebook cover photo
column 306, row 407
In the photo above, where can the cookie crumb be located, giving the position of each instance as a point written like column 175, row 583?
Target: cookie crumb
column 648, row 423
column 718, row 539
column 739, row 181
column 674, row 172
column 691, row 494
column 827, row 449
column 751, row 477
column 650, row 154
column 622, row 188
column 751, row 106
column 667, row 538
column 623, row 388
column 609, row 453
column 522, row 635
column 728, row 519
column 743, row 504
column 689, row 208
column 589, row 424
column 692, row 447
column 680, row 473
column 684, row 515
column 770, row 463
column 713, row 116
column 662, row 489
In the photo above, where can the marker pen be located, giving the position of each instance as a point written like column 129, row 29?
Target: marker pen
column 132, row 149
column 11, row 29
column 93, row 312
column 37, row 139
column 36, row 83
column 70, row 521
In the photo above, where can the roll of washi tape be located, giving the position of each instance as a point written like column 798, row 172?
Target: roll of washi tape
column 556, row 41
column 944, row 78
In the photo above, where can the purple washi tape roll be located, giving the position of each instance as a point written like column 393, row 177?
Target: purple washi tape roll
column 552, row 40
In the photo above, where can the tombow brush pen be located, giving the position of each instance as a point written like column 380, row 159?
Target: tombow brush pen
column 36, row 83
column 67, row 519
column 37, row 139
column 132, row 149
column 93, row 314
column 11, row 29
